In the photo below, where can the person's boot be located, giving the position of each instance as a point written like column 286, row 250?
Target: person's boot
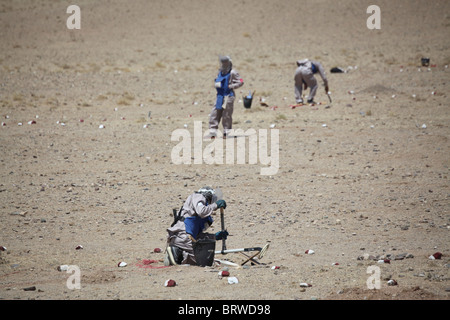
column 174, row 255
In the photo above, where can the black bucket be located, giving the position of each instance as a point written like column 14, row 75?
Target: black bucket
column 204, row 252
column 247, row 103
column 425, row 62
column 248, row 100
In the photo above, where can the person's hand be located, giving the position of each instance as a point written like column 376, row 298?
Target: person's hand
column 221, row 204
column 305, row 86
column 326, row 89
column 221, row 235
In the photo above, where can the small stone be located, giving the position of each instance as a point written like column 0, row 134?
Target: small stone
column 400, row 256
column 232, row 280
column 33, row 288
column 63, row 267
column 305, row 285
column 392, row 282
column 170, row 283
column 223, row 273
column 437, row 255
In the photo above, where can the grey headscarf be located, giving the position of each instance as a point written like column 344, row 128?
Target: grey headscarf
column 208, row 193
column 225, row 64
column 302, row 62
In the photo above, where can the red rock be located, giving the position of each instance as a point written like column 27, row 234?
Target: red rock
column 170, row 283
column 437, row 255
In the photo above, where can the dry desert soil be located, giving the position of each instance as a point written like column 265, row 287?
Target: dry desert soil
column 90, row 119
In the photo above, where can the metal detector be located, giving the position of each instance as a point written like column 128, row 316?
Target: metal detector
column 260, row 252
column 255, row 251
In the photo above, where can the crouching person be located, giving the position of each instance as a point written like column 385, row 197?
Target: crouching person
column 186, row 237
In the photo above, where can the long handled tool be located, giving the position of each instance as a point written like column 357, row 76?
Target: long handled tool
column 255, row 251
column 258, row 251
column 222, row 222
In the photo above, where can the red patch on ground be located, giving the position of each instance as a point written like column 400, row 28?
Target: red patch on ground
column 149, row 264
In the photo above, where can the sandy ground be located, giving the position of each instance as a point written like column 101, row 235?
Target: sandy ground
column 360, row 179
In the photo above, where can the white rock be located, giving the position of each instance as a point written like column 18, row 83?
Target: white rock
column 63, row 267
column 233, row 280
column 305, row 285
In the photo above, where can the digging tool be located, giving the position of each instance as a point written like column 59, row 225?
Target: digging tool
column 219, row 195
column 222, row 222
column 329, row 97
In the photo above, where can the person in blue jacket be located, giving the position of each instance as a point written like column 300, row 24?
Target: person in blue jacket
column 227, row 80
column 190, row 224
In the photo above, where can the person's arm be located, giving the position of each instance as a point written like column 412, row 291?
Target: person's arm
column 235, row 80
column 322, row 73
column 204, row 210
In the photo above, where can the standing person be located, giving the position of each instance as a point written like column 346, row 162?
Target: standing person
column 304, row 75
column 227, row 80
column 190, row 225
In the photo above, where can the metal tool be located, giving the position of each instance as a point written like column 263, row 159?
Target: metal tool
column 256, row 252
column 222, row 222
column 260, row 252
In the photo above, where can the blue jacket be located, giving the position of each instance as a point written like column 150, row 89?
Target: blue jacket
column 195, row 225
column 224, row 90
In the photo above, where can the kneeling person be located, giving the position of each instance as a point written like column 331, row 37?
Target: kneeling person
column 190, row 225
